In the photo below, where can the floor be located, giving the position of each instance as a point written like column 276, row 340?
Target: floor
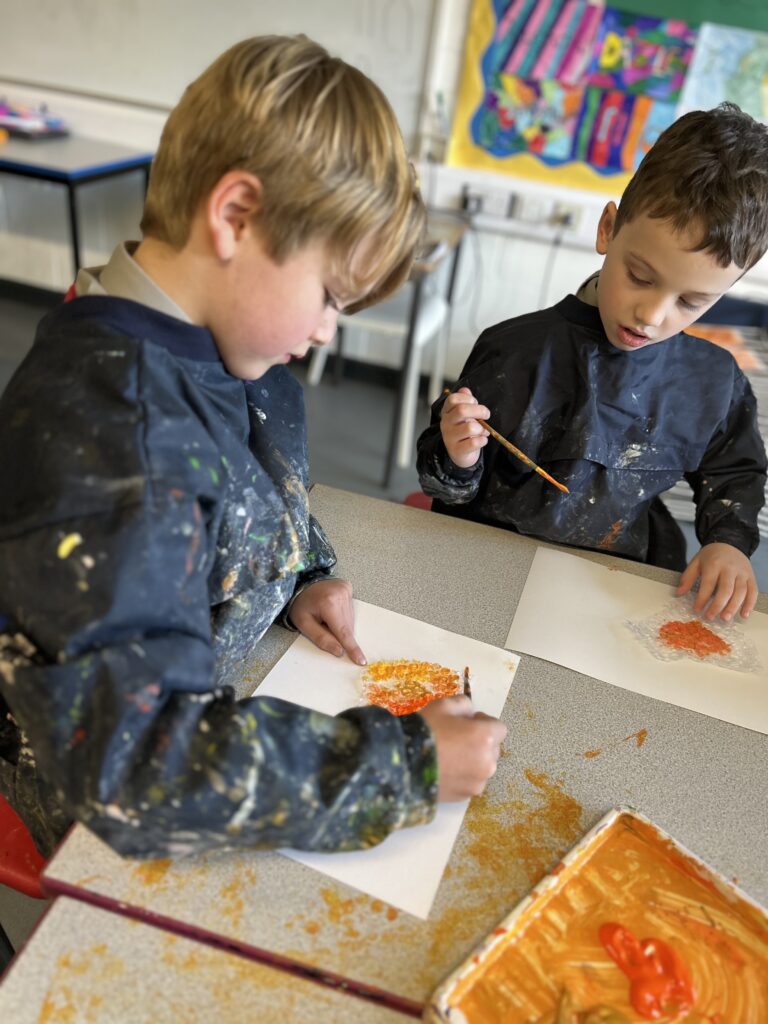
column 349, row 427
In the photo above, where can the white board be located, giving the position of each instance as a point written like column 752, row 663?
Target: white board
column 147, row 51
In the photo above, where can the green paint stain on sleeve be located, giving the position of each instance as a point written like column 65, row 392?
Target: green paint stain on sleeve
column 194, row 462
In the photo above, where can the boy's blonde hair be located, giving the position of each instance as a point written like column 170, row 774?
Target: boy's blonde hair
column 321, row 138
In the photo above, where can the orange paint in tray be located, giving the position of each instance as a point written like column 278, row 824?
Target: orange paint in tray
column 630, row 927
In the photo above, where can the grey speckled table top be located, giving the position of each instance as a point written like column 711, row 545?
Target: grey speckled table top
column 702, row 780
column 87, row 966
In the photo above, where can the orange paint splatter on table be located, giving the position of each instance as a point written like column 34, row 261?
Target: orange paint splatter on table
column 150, row 872
column 405, row 686
column 693, row 637
column 639, row 737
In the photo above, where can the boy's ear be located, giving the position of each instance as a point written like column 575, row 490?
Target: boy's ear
column 231, row 208
column 605, row 228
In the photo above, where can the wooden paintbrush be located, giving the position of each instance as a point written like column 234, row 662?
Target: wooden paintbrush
column 467, row 687
column 517, row 453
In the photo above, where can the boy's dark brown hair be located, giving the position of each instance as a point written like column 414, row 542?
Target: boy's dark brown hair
column 708, row 170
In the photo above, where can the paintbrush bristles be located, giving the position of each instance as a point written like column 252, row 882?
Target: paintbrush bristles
column 517, row 453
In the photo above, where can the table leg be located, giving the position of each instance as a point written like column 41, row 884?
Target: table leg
column 409, row 343
column 73, row 228
column 338, row 363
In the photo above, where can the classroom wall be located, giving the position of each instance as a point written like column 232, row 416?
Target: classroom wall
column 114, row 70
column 412, row 48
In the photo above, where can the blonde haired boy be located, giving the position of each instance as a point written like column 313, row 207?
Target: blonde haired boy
column 165, row 525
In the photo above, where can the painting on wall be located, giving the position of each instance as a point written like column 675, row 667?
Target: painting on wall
column 729, row 64
column 569, row 91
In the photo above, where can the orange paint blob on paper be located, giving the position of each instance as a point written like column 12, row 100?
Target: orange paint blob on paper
column 693, row 637
column 403, row 687
column 593, row 753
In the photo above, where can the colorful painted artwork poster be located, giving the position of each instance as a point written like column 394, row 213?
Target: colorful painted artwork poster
column 647, row 56
column 540, row 39
column 536, row 117
column 728, row 64
column 528, row 103
column 616, row 129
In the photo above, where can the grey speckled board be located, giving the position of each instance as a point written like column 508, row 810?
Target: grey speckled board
column 700, row 779
column 89, row 966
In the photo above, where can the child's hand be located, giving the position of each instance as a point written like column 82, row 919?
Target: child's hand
column 324, row 614
column 727, row 578
column 467, row 746
column 463, row 436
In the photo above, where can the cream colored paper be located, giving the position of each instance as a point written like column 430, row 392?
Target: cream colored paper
column 572, row 612
column 405, row 870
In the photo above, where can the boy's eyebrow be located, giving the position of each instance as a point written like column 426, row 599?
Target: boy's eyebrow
column 652, row 270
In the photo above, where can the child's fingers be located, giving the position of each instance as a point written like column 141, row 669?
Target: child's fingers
column 689, row 577
column 721, row 593
column 346, row 637
column 468, row 431
column 319, row 634
column 751, row 599
column 707, row 584
column 736, row 601
column 460, row 412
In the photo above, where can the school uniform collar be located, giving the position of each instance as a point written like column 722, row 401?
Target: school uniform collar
column 123, row 296
column 123, row 278
column 575, row 311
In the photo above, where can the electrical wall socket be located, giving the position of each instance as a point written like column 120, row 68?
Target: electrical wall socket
column 545, row 213
column 565, row 215
column 490, row 202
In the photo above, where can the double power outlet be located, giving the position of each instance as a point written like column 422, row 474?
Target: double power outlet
column 527, row 208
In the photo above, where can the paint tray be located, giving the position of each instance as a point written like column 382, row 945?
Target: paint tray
column 545, row 963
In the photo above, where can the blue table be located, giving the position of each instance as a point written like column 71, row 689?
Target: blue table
column 71, row 161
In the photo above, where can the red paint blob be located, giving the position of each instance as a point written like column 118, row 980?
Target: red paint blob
column 659, row 980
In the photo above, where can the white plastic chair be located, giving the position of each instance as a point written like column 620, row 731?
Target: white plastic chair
column 391, row 317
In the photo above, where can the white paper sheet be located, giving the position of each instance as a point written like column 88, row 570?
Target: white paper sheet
column 405, row 870
column 572, row 612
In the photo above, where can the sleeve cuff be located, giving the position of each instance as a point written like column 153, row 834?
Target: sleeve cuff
column 284, row 618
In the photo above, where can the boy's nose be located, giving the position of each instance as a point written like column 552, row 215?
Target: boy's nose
column 325, row 331
column 650, row 313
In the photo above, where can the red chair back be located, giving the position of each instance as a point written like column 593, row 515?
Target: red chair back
column 417, row 499
column 20, row 863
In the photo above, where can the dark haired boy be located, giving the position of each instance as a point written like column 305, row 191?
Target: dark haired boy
column 587, row 391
